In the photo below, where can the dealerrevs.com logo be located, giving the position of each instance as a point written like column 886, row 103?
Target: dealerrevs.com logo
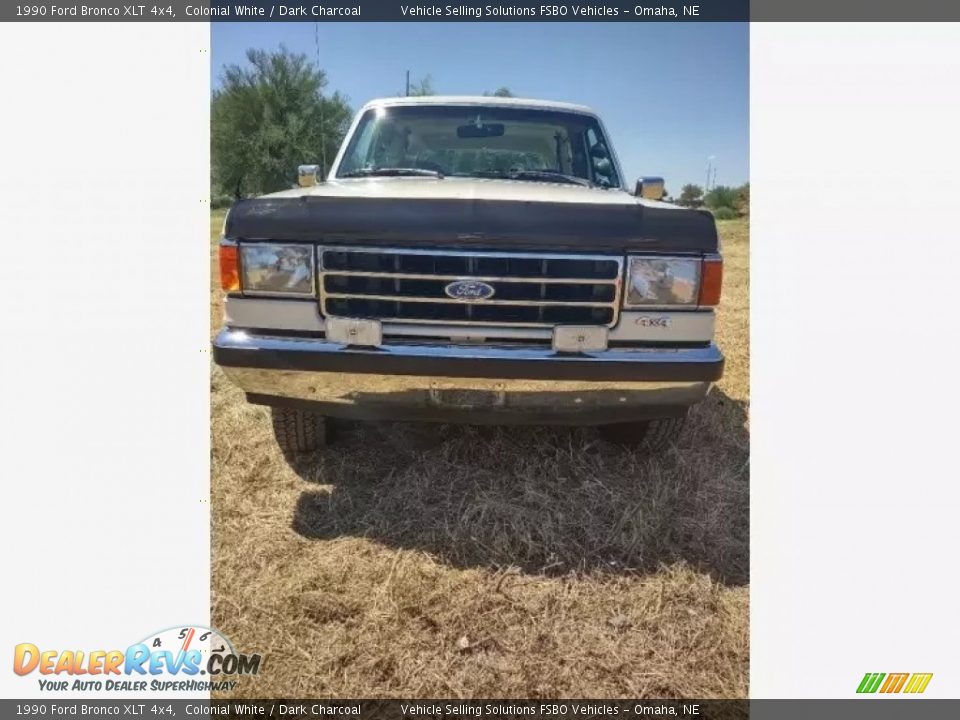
column 182, row 658
column 910, row 683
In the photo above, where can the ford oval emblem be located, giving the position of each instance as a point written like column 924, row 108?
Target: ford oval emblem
column 469, row 290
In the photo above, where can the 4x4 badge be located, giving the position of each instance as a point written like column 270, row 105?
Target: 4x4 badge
column 469, row 290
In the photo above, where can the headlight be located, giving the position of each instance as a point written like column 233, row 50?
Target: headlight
column 272, row 269
column 655, row 282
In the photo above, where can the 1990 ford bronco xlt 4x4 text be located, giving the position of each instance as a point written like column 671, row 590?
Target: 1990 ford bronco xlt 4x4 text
column 475, row 260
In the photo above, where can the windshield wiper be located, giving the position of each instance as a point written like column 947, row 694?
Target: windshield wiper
column 536, row 176
column 393, row 172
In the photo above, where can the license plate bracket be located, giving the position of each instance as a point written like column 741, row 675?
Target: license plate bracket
column 467, row 399
column 354, row 331
column 580, row 338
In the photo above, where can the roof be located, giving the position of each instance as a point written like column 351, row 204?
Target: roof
column 479, row 100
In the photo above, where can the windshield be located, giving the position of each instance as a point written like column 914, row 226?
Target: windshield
column 477, row 141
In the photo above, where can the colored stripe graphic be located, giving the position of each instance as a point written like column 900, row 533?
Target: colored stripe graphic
column 918, row 682
column 894, row 682
column 870, row 682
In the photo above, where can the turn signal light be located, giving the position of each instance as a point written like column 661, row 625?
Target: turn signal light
column 711, row 281
column 229, row 268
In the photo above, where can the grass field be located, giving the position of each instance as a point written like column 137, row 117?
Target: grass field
column 442, row 561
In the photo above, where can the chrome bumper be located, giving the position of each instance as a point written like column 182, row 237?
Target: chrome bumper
column 467, row 383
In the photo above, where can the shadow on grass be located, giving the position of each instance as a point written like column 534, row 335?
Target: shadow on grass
column 541, row 500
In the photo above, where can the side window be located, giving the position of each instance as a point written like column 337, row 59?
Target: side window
column 363, row 143
column 358, row 152
column 601, row 164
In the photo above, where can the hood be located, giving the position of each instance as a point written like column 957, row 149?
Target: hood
column 454, row 188
column 475, row 213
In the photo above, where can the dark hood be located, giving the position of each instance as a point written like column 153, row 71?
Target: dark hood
column 474, row 223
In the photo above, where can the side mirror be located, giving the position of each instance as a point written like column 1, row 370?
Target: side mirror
column 649, row 188
column 307, row 175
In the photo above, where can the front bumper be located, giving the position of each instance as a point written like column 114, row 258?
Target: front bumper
column 476, row 384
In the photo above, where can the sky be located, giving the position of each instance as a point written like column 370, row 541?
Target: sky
column 673, row 96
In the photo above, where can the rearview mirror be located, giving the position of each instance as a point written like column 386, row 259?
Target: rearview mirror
column 649, row 188
column 480, row 131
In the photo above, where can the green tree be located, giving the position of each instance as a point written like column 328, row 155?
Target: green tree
column 268, row 117
column 422, row 87
column 691, row 195
column 721, row 196
column 743, row 199
column 500, row 92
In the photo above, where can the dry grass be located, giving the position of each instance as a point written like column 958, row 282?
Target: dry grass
column 441, row 561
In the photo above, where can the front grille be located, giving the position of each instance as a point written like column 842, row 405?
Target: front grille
column 528, row 289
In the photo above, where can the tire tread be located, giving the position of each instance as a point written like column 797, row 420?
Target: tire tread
column 651, row 435
column 298, row 431
column 660, row 433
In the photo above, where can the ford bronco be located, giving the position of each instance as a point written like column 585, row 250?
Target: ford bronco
column 476, row 260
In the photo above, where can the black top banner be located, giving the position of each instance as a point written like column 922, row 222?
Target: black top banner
column 482, row 11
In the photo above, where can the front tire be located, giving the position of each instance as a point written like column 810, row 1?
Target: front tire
column 298, row 431
column 651, row 435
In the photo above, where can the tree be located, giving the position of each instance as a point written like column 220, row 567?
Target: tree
column 743, row 199
column 423, row 87
column 691, row 195
column 500, row 92
column 267, row 118
column 721, row 196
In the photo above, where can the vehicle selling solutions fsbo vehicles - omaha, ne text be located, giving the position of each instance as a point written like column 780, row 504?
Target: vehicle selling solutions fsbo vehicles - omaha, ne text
column 475, row 260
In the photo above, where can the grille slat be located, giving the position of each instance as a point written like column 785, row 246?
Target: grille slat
column 469, row 304
column 529, row 289
column 461, row 276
